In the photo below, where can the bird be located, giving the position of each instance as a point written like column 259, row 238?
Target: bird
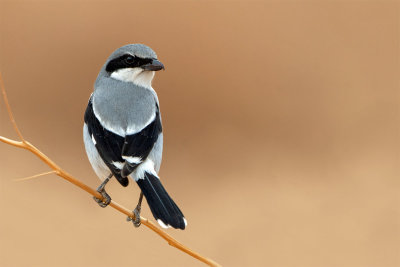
column 123, row 135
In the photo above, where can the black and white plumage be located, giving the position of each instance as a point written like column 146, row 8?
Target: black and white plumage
column 123, row 131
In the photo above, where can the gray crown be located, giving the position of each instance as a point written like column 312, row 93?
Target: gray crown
column 139, row 50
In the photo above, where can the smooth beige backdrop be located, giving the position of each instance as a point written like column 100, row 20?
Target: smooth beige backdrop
column 281, row 124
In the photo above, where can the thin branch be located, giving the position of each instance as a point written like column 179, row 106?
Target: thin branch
column 33, row 176
column 3, row 90
column 11, row 142
column 63, row 174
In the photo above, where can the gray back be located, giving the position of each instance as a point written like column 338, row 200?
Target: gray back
column 123, row 107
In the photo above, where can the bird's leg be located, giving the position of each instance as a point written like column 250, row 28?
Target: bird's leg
column 136, row 211
column 106, row 198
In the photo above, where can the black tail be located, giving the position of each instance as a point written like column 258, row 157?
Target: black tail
column 161, row 204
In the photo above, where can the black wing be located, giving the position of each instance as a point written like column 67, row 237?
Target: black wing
column 108, row 144
column 140, row 144
column 112, row 147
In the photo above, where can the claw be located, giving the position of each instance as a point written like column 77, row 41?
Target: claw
column 106, row 198
column 136, row 222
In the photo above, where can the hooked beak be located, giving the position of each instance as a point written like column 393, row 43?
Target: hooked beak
column 155, row 65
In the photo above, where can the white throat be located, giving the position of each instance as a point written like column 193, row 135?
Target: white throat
column 137, row 76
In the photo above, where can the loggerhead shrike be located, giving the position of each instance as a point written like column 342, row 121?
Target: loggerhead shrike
column 123, row 133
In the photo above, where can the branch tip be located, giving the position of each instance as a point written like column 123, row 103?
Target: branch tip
column 10, row 114
column 33, row 176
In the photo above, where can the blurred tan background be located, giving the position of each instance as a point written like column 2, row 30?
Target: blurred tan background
column 281, row 123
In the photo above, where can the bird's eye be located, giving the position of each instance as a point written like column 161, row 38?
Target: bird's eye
column 129, row 59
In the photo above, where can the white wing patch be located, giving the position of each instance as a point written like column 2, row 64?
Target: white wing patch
column 133, row 160
column 118, row 165
column 93, row 140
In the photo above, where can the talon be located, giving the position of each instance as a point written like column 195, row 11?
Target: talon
column 102, row 203
column 106, row 198
column 136, row 222
column 136, row 211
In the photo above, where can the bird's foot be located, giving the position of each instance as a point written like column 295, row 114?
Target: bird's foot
column 136, row 222
column 106, row 198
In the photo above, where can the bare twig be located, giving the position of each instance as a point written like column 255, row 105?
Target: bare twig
column 34, row 176
column 9, row 110
column 60, row 172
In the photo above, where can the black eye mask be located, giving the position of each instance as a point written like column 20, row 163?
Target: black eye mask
column 127, row 61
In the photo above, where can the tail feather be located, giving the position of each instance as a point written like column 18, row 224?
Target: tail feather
column 164, row 209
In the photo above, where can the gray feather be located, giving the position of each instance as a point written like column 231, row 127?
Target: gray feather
column 139, row 105
column 141, row 50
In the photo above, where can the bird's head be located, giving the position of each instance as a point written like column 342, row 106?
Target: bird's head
column 134, row 63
